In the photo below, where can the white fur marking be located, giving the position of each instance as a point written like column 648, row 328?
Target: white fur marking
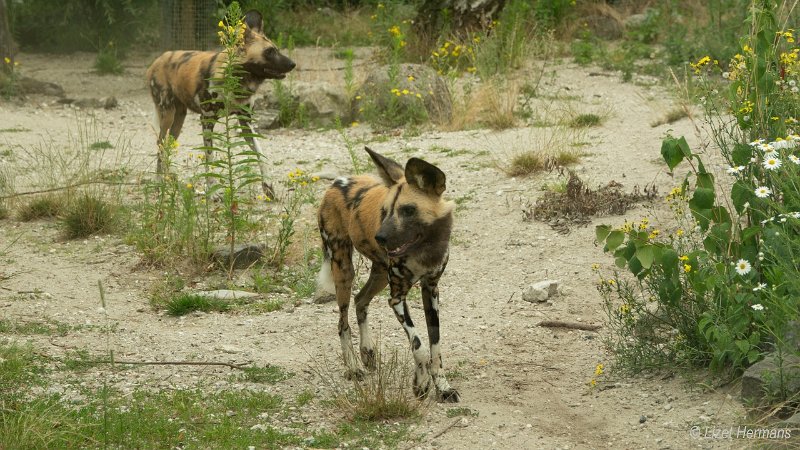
column 341, row 181
column 325, row 278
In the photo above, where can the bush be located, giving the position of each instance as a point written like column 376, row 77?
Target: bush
column 719, row 288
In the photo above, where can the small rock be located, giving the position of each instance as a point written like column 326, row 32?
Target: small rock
column 541, row 291
column 244, row 255
column 227, row 294
column 667, row 407
column 642, row 418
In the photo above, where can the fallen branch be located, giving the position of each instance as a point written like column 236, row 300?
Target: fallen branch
column 173, row 363
column 569, row 325
column 64, row 188
column 439, row 433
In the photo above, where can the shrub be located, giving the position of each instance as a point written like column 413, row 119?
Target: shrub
column 719, row 288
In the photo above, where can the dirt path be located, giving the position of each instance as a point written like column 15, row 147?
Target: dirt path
column 528, row 384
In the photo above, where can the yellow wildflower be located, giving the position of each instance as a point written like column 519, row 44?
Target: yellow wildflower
column 7, row 60
column 684, row 258
column 687, row 268
column 354, row 124
column 411, row 78
column 599, row 370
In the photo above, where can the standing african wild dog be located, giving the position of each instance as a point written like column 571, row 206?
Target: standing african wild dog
column 403, row 226
column 179, row 80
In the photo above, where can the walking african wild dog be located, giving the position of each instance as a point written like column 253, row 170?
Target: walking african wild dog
column 179, row 81
column 403, row 226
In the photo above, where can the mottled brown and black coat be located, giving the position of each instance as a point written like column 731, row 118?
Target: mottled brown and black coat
column 180, row 81
column 403, row 225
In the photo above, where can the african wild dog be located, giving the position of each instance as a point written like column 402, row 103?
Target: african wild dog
column 403, row 226
column 179, row 81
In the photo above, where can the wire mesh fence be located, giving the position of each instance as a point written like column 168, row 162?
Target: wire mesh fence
column 188, row 24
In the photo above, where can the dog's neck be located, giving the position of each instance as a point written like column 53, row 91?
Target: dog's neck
column 435, row 246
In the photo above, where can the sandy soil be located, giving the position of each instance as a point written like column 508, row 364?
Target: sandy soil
column 528, row 384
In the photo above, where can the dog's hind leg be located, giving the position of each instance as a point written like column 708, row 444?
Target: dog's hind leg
column 430, row 302
column 166, row 117
column 378, row 279
column 250, row 135
column 341, row 266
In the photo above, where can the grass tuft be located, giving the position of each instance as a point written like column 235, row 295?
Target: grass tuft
column 89, row 215
column 268, row 374
column 45, row 207
column 586, row 121
column 187, row 303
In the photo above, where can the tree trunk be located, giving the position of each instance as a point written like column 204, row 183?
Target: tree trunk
column 7, row 48
column 456, row 16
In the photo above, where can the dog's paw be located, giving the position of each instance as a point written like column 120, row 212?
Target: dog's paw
column 448, row 396
column 268, row 191
column 368, row 358
column 354, row 374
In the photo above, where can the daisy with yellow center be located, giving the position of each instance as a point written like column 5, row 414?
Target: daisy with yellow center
column 743, row 267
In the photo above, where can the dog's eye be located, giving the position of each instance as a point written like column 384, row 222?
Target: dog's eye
column 407, row 210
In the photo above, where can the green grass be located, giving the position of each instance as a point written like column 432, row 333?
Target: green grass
column 526, row 163
column 586, row 121
column 101, row 145
column 461, row 411
column 186, row 303
column 46, row 328
column 268, row 374
column 45, row 207
column 14, row 130
column 89, row 215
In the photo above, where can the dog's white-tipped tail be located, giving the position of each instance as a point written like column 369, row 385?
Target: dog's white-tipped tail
column 325, row 283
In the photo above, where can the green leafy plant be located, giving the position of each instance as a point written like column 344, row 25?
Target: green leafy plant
column 720, row 288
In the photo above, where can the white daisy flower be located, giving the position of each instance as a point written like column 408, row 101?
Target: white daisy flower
column 794, row 215
column 759, row 287
column 771, row 163
column 758, row 307
column 782, row 144
column 757, row 142
column 726, row 75
column 763, row 192
column 771, row 154
column 743, row 267
column 734, row 170
column 794, row 159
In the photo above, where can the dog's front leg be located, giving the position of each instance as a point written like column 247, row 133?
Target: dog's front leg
column 430, row 301
column 250, row 135
column 399, row 285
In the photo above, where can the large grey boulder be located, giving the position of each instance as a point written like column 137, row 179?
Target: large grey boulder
column 322, row 103
column 773, row 378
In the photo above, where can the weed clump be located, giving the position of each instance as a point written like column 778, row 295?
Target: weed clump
column 577, row 204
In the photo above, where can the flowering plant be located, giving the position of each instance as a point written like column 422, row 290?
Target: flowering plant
column 720, row 289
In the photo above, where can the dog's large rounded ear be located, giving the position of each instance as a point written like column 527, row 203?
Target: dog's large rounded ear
column 390, row 171
column 254, row 21
column 425, row 177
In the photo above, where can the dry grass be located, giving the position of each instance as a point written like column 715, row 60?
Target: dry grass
column 539, row 149
column 673, row 115
column 492, row 105
column 383, row 394
column 41, row 207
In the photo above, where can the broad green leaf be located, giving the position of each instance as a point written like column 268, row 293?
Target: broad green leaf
column 703, row 198
column 741, row 193
column 741, row 154
column 671, row 152
column 645, row 255
column 615, row 239
column 601, row 232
